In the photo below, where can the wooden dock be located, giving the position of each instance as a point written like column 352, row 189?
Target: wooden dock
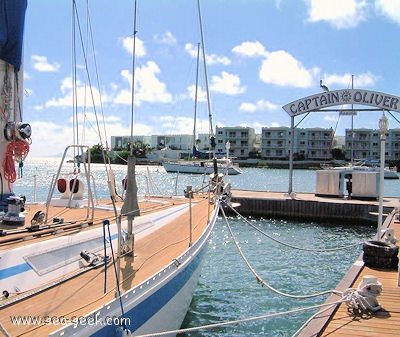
column 309, row 206
column 342, row 322
column 339, row 321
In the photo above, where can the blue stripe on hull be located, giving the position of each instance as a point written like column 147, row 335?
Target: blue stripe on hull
column 14, row 270
column 23, row 267
column 144, row 311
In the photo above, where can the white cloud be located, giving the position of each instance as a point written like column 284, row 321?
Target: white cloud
column 275, row 124
column 212, row 59
column 180, row 125
column 216, row 59
column 332, row 118
column 389, row 8
column 341, row 14
column 168, row 38
column 83, row 95
column 148, row 88
column 40, row 63
column 64, row 132
column 281, row 68
column 260, row 105
column 60, row 137
column 228, row 84
column 344, row 81
column 201, row 94
column 250, row 49
column 191, row 49
column 140, row 49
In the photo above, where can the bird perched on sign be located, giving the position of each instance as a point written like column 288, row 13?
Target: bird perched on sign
column 323, row 86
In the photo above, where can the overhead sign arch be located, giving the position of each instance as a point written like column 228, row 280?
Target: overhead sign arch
column 327, row 99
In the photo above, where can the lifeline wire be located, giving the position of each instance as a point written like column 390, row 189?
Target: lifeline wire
column 107, row 223
column 258, row 277
column 245, row 320
column 292, row 246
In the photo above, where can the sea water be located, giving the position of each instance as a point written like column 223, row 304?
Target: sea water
column 227, row 290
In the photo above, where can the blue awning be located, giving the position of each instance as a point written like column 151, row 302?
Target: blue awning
column 12, row 19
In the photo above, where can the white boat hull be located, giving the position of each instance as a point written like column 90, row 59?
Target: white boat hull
column 388, row 173
column 198, row 168
column 158, row 304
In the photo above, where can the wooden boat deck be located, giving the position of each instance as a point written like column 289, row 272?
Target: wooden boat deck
column 84, row 293
column 342, row 322
column 77, row 218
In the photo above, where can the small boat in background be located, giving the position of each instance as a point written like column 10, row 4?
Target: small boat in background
column 224, row 165
column 201, row 162
column 365, row 166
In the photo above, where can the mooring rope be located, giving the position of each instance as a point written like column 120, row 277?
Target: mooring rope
column 350, row 296
column 315, row 316
column 319, row 250
column 258, row 277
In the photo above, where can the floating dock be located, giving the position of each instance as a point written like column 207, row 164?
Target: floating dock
column 338, row 321
column 306, row 206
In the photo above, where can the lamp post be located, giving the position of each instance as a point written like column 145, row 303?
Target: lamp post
column 383, row 127
column 228, row 147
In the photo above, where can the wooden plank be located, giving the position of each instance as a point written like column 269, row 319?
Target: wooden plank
column 381, row 323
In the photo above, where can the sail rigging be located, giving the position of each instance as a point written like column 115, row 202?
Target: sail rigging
column 12, row 21
column 212, row 135
column 15, row 144
column 64, row 251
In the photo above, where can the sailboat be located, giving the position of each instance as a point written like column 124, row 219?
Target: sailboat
column 77, row 266
column 201, row 162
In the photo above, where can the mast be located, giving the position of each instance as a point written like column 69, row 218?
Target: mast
column 195, row 98
column 352, row 124
column 130, row 208
column 212, row 136
column 15, row 135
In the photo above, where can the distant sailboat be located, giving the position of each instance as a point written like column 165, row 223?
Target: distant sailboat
column 202, row 162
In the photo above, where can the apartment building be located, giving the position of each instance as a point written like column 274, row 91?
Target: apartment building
column 274, row 142
column 242, row 140
column 121, row 142
column 394, row 142
column 310, row 143
column 366, row 144
column 177, row 142
column 203, row 141
column 174, row 142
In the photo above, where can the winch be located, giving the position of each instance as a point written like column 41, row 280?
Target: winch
column 15, row 207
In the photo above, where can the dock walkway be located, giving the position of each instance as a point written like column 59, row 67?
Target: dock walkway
column 342, row 322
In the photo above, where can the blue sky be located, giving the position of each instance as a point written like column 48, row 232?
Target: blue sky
column 261, row 55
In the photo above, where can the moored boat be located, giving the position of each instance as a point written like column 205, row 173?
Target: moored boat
column 74, row 265
column 389, row 172
column 201, row 166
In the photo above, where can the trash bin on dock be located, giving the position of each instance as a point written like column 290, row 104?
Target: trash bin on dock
column 330, row 183
column 365, row 185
